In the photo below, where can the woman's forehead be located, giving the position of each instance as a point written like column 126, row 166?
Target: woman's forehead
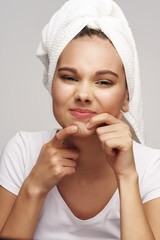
column 93, row 51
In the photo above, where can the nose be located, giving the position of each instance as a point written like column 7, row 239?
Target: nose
column 84, row 93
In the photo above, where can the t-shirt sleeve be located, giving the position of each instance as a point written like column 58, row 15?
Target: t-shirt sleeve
column 152, row 179
column 12, row 164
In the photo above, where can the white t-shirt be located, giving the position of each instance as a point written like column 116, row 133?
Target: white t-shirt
column 57, row 222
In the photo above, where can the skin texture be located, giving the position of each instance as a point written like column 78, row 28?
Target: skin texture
column 93, row 148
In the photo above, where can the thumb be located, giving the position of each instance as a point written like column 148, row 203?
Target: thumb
column 61, row 135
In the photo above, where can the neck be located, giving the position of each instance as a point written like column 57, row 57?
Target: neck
column 92, row 158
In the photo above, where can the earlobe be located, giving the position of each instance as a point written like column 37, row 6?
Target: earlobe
column 125, row 106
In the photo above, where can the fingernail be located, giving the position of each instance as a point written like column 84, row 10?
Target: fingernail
column 88, row 125
column 74, row 128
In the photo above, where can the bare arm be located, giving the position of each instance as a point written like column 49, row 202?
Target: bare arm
column 24, row 213
column 21, row 214
column 134, row 222
column 7, row 201
column 116, row 139
column 152, row 210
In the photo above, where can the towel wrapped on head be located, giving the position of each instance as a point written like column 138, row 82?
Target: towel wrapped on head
column 107, row 16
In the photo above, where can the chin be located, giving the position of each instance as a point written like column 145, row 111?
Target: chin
column 83, row 132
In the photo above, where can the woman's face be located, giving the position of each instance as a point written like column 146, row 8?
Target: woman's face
column 89, row 80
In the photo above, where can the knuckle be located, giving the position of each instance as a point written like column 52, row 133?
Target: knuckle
column 127, row 130
column 128, row 133
column 129, row 142
column 58, row 171
column 108, row 143
column 50, row 152
column 104, row 144
column 126, row 127
column 53, row 162
column 102, row 138
column 105, row 115
column 98, row 131
column 48, row 147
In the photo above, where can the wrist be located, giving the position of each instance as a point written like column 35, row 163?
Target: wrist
column 130, row 177
column 32, row 190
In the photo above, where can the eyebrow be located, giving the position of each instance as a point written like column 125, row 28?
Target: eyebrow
column 68, row 69
column 101, row 72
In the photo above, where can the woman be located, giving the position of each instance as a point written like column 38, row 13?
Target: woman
column 90, row 179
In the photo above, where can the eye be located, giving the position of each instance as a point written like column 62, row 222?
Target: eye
column 68, row 78
column 104, row 83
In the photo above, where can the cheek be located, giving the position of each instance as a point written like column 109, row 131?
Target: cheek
column 111, row 102
column 61, row 93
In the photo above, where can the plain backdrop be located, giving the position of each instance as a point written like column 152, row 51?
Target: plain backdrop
column 24, row 102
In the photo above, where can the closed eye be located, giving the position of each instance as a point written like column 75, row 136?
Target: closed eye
column 104, row 82
column 68, row 78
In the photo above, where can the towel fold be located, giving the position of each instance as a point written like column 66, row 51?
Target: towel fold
column 107, row 16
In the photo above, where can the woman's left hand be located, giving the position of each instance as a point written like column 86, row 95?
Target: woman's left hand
column 116, row 140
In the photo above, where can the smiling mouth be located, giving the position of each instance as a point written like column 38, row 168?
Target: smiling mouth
column 82, row 113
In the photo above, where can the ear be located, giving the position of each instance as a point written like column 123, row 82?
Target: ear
column 125, row 106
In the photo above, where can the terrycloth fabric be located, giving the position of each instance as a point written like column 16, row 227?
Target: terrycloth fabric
column 105, row 15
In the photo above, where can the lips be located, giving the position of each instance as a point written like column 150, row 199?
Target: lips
column 82, row 113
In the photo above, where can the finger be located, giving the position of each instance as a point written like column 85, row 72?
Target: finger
column 68, row 163
column 68, row 171
column 120, row 115
column 109, row 129
column 69, row 153
column 101, row 119
column 110, row 152
column 110, row 147
column 105, row 137
column 61, row 135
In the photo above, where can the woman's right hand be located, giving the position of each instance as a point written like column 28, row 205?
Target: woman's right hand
column 54, row 162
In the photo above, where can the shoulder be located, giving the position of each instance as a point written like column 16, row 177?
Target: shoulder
column 147, row 159
column 147, row 162
column 36, row 139
column 26, row 145
column 145, row 155
column 39, row 136
column 24, row 139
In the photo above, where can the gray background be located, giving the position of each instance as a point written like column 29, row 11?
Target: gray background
column 24, row 102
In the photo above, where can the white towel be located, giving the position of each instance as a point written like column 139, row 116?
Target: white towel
column 107, row 16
